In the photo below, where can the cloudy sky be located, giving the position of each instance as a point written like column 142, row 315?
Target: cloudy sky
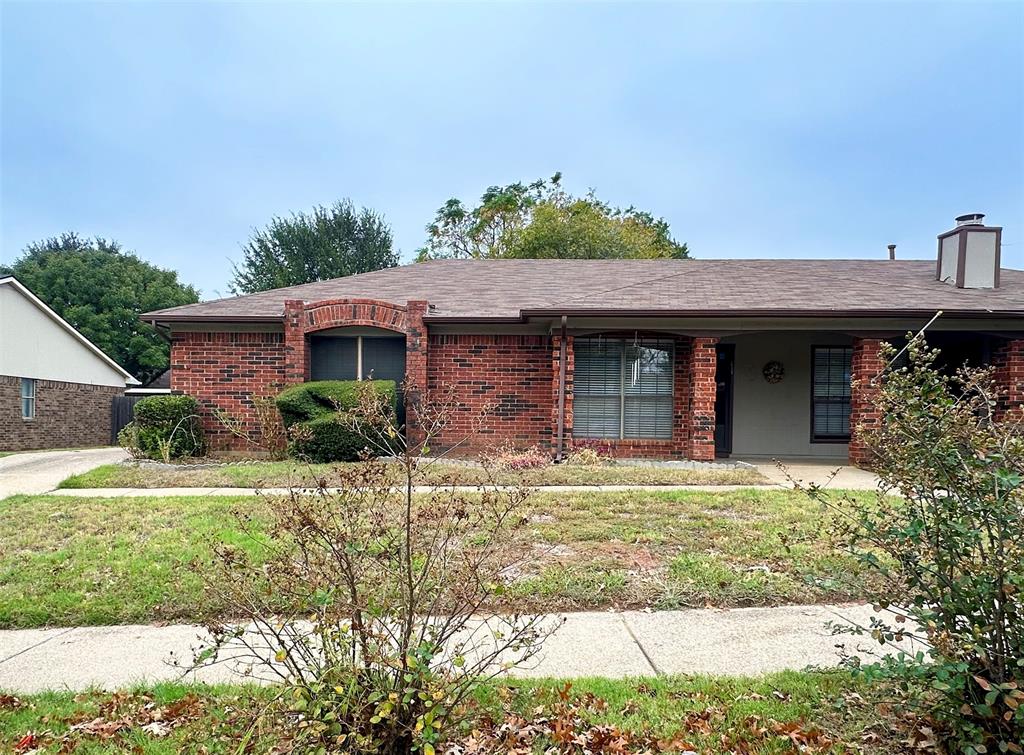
column 757, row 130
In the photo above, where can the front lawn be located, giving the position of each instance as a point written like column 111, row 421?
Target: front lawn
column 781, row 713
column 292, row 473
column 88, row 561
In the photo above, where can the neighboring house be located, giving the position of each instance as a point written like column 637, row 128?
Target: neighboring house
column 660, row 358
column 159, row 385
column 56, row 387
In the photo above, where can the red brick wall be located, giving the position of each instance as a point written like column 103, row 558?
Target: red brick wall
column 225, row 371
column 511, row 374
column 702, row 367
column 516, row 376
column 866, row 364
column 416, row 349
column 556, row 379
column 68, row 415
column 1008, row 361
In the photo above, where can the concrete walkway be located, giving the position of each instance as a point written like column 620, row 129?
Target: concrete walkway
column 147, row 492
column 40, row 471
column 746, row 641
column 818, row 473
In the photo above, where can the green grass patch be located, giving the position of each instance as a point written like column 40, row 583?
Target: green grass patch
column 90, row 561
column 709, row 714
column 291, row 473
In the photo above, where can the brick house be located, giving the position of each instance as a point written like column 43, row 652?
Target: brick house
column 56, row 387
column 660, row 358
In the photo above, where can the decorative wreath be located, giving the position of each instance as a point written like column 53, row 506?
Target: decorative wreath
column 774, row 372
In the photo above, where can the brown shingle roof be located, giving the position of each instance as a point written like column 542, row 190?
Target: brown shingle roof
column 506, row 289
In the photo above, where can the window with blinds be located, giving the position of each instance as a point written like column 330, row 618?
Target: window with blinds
column 622, row 388
column 830, row 398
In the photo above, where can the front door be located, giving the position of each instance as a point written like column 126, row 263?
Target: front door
column 723, row 399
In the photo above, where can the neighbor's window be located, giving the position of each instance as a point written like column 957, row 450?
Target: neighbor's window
column 28, row 398
column 622, row 388
column 830, row 399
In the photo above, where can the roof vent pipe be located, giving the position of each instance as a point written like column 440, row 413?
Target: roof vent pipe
column 892, row 251
column 968, row 255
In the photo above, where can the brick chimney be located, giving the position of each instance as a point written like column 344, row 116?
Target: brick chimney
column 968, row 255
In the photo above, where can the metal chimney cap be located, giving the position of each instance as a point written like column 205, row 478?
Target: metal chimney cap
column 971, row 218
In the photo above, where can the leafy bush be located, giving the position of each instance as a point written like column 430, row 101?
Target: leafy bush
column 332, row 437
column 307, row 401
column 164, row 428
column 371, row 605
column 944, row 536
column 335, row 420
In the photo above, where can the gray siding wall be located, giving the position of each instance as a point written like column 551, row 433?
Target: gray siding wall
column 775, row 419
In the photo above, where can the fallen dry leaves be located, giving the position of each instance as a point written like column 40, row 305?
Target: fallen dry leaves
column 120, row 714
column 566, row 727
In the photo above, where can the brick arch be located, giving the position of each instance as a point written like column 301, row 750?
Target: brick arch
column 302, row 319
column 337, row 313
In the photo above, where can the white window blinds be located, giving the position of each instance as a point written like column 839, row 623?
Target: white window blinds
column 622, row 388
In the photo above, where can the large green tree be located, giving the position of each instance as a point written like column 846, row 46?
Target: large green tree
column 328, row 242
column 101, row 290
column 542, row 220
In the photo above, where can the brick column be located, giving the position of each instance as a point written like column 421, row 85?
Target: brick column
column 415, row 367
column 1008, row 361
column 570, row 364
column 702, row 366
column 866, row 365
column 296, row 348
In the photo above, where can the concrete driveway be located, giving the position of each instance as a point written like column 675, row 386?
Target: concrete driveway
column 42, row 471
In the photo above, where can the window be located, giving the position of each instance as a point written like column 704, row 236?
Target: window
column 28, row 398
column 830, row 397
column 622, row 388
column 357, row 358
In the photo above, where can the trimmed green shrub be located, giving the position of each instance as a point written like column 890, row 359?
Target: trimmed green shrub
column 164, row 428
column 332, row 437
column 307, row 401
column 323, row 418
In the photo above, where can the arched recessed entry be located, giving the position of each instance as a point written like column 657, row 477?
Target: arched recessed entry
column 357, row 353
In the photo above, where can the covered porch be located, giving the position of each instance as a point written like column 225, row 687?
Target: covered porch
column 752, row 394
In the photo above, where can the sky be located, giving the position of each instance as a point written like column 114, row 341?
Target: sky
column 821, row 130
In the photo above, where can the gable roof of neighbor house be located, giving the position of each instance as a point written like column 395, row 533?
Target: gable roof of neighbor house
column 511, row 290
column 21, row 288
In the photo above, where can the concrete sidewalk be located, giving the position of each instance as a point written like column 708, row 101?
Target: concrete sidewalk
column 745, row 641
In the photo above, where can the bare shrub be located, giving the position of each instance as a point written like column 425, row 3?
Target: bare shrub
column 268, row 436
column 589, row 452
column 369, row 603
column 511, row 458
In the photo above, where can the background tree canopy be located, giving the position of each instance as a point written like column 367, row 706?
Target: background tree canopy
column 101, row 290
column 329, row 242
column 541, row 220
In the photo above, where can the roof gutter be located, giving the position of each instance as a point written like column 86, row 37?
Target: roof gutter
column 526, row 314
column 795, row 313
column 147, row 317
